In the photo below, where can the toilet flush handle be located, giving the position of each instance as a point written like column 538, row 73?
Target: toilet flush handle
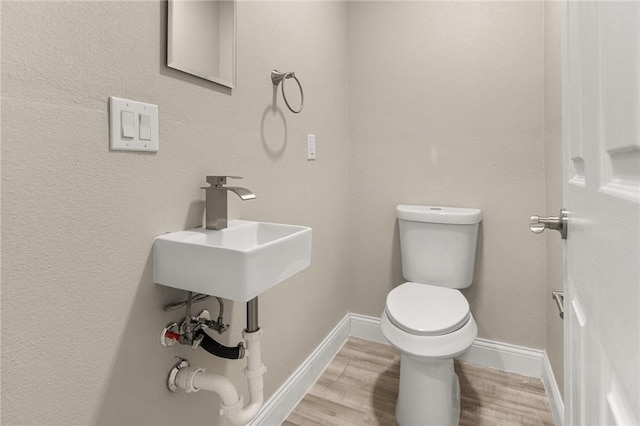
column 538, row 224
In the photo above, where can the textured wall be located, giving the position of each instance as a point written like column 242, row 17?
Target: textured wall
column 553, row 177
column 446, row 108
column 80, row 314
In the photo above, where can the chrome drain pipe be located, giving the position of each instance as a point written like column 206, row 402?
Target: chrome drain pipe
column 252, row 316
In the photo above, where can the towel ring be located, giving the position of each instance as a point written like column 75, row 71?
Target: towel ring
column 277, row 77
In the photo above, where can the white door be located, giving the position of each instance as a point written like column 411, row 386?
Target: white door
column 601, row 190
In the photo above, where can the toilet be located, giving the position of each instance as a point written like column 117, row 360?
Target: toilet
column 427, row 319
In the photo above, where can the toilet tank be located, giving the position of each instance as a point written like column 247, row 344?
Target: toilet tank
column 438, row 244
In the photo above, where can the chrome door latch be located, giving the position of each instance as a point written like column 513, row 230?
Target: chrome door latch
column 538, row 224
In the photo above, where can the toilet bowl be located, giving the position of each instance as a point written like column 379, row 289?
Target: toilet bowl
column 427, row 319
column 428, row 339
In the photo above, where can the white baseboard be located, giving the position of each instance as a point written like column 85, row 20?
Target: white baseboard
column 367, row 328
column 285, row 399
column 501, row 356
column 505, row 357
column 553, row 392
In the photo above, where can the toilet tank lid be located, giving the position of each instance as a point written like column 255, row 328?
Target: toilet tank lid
column 438, row 214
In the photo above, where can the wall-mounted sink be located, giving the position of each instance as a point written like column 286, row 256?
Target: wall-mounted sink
column 236, row 263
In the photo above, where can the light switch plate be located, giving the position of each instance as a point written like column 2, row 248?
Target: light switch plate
column 119, row 139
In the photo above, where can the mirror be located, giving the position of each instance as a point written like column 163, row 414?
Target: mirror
column 201, row 39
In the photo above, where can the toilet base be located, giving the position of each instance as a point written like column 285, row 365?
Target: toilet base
column 429, row 392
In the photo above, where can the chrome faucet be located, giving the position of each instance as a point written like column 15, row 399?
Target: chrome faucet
column 216, row 200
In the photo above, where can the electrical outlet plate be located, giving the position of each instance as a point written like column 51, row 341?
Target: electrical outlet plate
column 133, row 126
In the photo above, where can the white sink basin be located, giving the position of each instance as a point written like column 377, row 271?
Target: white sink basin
column 236, row 263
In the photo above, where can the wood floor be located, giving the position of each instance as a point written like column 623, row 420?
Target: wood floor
column 360, row 387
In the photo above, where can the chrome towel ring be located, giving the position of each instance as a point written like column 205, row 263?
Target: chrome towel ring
column 277, row 77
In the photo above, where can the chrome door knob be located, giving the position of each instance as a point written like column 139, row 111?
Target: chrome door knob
column 538, row 224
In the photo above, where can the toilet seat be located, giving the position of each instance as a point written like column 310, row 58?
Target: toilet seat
column 426, row 310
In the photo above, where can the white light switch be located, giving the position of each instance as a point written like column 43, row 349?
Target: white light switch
column 133, row 126
column 127, row 121
column 145, row 127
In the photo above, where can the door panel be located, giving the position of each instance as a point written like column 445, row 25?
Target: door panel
column 601, row 191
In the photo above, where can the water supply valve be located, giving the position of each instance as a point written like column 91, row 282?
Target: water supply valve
column 191, row 333
column 188, row 333
column 170, row 335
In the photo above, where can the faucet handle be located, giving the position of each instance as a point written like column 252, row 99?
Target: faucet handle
column 220, row 180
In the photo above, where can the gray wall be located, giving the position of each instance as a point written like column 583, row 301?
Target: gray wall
column 81, row 316
column 412, row 102
column 446, row 107
column 553, row 179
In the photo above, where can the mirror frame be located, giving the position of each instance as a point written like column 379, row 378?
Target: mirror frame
column 224, row 47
